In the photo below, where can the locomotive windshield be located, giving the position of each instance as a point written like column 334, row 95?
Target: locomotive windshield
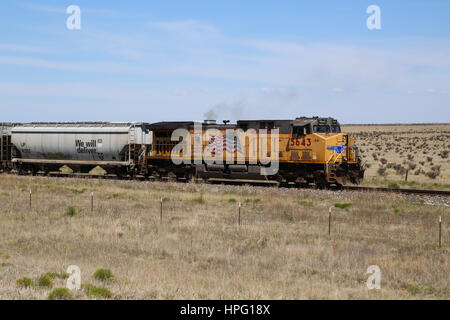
column 326, row 128
column 321, row 128
column 335, row 129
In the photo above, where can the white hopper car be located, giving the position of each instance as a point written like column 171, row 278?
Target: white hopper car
column 82, row 146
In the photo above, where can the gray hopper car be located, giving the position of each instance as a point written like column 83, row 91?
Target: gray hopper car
column 116, row 147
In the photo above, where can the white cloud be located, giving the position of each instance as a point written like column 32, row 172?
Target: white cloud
column 62, row 9
column 188, row 29
column 23, row 48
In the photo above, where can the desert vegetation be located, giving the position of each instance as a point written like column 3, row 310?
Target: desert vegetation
column 392, row 151
column 197, row 250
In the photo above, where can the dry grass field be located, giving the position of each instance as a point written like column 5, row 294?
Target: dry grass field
column 390, row 150
column 281, row 250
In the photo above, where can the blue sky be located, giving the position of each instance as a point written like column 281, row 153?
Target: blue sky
column 188, row 60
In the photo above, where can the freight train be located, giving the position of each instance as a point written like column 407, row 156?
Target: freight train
column 303, row 151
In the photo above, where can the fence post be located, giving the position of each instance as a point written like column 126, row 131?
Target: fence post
column 161, row 211
column 329, row 222
column 30, row 199
column 406, row 176
column 440, row 231
column 239, row 214
column 92, row 202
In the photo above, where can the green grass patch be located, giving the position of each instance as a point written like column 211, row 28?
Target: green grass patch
column 343, row 205
column 55, row 275
column 232, row 200
column 79, row 191
column 96, row 292
column 415, row 289
column 72, row 211
column 45, row 281
column 383, row 182
column 305, row 203
column 60, row 294
column 393, row 185
column 103, row 275
column 24, row 282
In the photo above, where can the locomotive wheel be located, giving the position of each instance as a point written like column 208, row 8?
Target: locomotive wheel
column 171, row 176
column 34, row 170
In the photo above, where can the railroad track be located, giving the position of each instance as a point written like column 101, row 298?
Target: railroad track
column 429, row 192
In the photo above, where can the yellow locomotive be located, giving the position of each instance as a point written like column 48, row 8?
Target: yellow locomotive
column 303, row 151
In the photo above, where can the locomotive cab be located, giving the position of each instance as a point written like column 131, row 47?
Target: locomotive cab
column 303, row 126
column 321, row 142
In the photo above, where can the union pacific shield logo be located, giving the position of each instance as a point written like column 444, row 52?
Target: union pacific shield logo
column 337, row 149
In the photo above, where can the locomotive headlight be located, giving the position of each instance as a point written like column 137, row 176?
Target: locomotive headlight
column 344, row 139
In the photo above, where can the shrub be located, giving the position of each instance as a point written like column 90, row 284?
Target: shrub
column 383, row 160
column 45, row 281
column 96, row 292
column 381, row 171
column 399, row 169
column 436, row 168
column 412, row 166
column 72, row 210
column 60, row 294
column 444, row 154
column 232, row 200
column 24, row 282
column 432, row 174
column 103, row 275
